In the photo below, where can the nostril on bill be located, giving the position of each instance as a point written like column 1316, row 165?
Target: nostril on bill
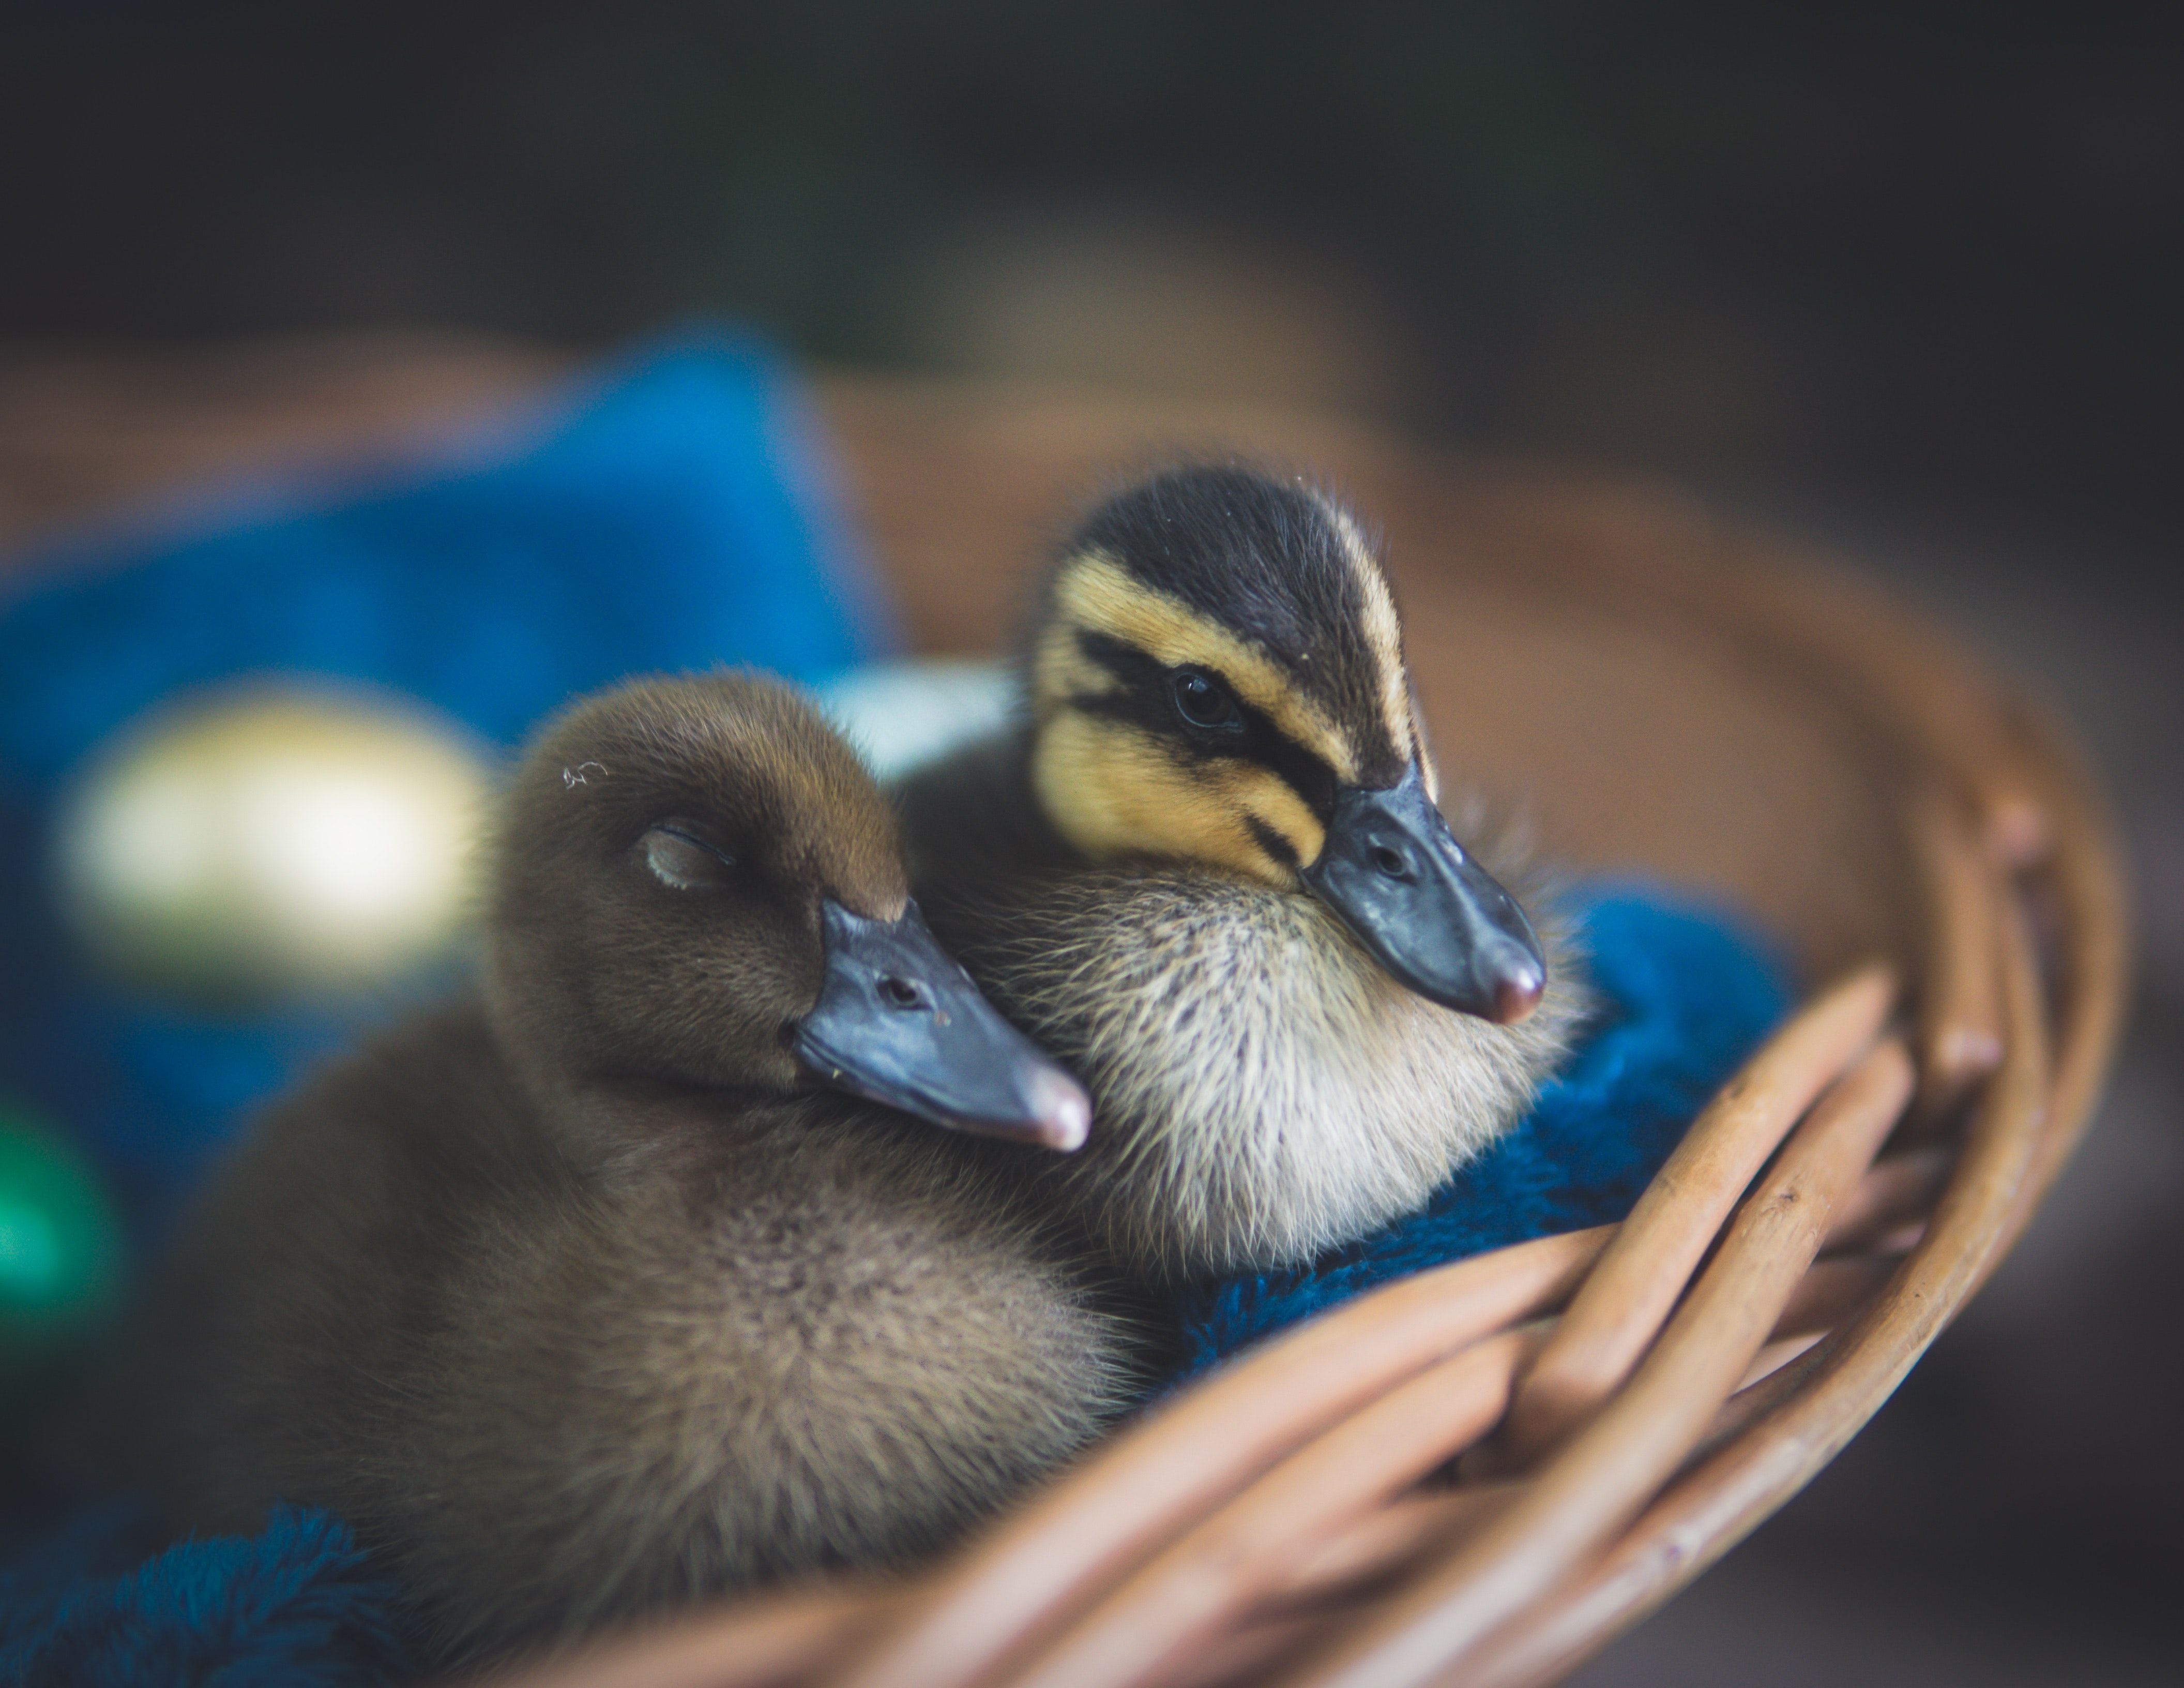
column 1392, row 862
column 900, row 994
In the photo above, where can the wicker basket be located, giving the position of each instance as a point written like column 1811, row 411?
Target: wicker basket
column 1618, row 1407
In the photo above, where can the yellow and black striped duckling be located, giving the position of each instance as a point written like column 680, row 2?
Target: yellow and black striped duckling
column 607, row 1290
column 1207, row 870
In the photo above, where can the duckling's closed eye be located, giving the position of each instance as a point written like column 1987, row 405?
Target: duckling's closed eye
column 683, row 861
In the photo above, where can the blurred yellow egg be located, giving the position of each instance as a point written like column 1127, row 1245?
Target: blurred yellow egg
column 273, row 843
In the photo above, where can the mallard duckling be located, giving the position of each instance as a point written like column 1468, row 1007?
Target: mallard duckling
column 598, row 1292
column 1207, row 870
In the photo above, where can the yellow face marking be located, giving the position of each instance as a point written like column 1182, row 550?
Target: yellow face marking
column 1113, row 789
column 1424, row 748
column 1384, row 630
column 1095, row 594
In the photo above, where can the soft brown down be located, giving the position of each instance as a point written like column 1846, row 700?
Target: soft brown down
column 568, row 1336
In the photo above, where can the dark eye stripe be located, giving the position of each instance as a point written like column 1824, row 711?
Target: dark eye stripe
column 1143, row 701
column 1275, row 844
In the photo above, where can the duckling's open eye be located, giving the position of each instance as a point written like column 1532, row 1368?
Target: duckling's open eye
column 683, row 861
column 1204, row 702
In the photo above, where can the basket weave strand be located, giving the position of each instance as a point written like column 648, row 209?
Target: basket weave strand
column 1602, row 1480
column 1202, row 1448
column 1846, row 1382
column 1643, row 1271
column 1348, row 1469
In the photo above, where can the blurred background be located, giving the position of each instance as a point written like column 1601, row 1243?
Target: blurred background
column 1905, row 279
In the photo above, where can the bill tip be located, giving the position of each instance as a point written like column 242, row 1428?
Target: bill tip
column 1063, row 1109
column 1516, row 995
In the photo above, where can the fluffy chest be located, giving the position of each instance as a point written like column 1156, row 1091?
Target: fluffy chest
column 1262, row 1090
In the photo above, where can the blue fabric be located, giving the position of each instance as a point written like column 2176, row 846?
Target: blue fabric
column 296, row 1606
column 670, row 515
column 1685, row 996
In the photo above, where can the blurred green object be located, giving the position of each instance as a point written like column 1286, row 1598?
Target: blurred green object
column 61, row 1248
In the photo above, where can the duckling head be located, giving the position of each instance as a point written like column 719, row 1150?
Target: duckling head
column 1218, row 677
column 698, row 885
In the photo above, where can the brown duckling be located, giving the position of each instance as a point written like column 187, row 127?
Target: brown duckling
column 1207, row 867
column 609, row 1289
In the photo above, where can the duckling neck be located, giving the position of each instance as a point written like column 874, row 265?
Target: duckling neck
column 1262, row 1090
column 596, row 1115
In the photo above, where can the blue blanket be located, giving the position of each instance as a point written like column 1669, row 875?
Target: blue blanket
column 296, row 1606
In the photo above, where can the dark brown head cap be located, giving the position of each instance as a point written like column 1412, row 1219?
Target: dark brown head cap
column 663, row 853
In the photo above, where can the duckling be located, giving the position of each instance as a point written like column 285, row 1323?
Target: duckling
column 615, row 1285
column 1208, row 869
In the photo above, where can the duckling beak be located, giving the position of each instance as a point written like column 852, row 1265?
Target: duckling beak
column 898, row 1022
column 1434, row 917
